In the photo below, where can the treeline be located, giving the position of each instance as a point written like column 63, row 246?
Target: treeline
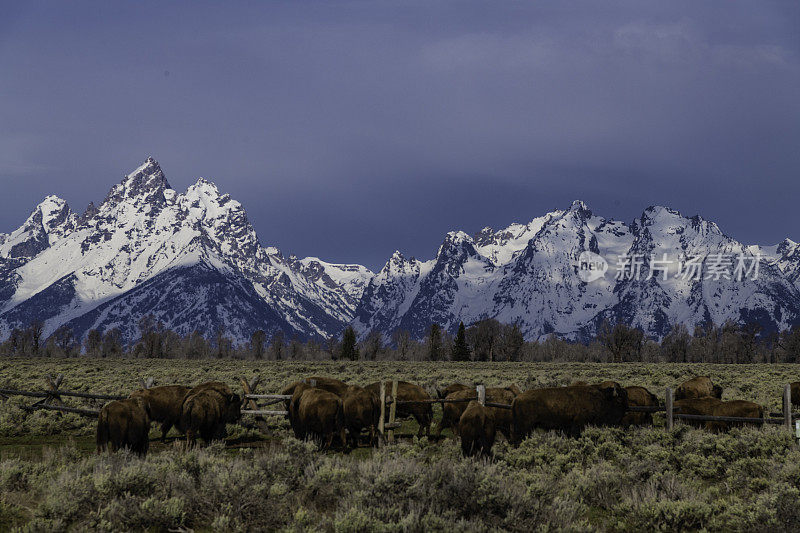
column 486, row 340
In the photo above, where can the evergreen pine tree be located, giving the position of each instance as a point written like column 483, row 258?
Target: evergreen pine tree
column 349, row 347
column 460, row 346
column 435, row 349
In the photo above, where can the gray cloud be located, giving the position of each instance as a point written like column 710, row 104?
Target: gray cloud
column 352, row 129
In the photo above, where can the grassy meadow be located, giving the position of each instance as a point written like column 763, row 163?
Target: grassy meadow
column 608, row 479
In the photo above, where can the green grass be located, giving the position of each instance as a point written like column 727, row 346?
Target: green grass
column 608, row 479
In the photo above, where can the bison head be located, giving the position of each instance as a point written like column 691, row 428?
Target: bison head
column 233, row 408
column 717, row 391
column 614, row 391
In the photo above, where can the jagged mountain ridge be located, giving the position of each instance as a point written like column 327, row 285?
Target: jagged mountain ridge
column 525, row 274
column 194, row 262
column 88, row 270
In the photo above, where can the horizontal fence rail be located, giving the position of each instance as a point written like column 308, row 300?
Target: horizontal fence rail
column 75, row 394
column 261, row 412
column 710, row 418
column 85, row 412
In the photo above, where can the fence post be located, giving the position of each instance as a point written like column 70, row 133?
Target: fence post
column 250, row 388
column 481, row 389
column 53, row 384
column 381, row 423
column 392, row 411
column 669, row 413
column 787, row 406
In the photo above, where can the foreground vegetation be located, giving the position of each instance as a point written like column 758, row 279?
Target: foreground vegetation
column 608, row 479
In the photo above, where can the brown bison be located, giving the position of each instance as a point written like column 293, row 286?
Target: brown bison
column 696, row 406
column 568, row 409
column 450, row 389
column 361, row 411
column 318, row 413
column 333, row 385
column 639, row 397
column 737, row 408
column 422, row 412
column 207, row 409
column 123, row 424
column 451, row 412
column 164, row 404
column 795, row 388
column 699, row 387
column 476, row 427
column 714, row 407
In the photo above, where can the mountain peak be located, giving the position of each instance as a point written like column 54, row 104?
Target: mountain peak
column 579, row 207
column 147, row 182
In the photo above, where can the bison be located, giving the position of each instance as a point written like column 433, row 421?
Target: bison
column 361, row 411
column 699, row 387
column 795, row 389
column 333, row 385
column 452, row 411
column 568, row 409
column 476, row 427
column 422, row 412
column 124, row 424
column 318, row 413
column 450, row 389
column 737, row 408
column 639, row 397
column 696, row 406
column 207, row 409
column 164, row 405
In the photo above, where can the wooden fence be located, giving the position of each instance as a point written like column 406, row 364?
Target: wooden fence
column 51, row 399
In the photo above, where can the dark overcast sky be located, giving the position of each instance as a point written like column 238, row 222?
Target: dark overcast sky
column 349, row 130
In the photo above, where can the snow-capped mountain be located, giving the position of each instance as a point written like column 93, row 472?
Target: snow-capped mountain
column 192, row 260
column 528, row 274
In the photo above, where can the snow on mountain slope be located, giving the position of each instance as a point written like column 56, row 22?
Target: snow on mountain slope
column 194, row 262
column 142, row 230
column 655, row 304
column 528, row 274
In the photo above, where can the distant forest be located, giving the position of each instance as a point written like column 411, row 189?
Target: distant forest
column 487, row 340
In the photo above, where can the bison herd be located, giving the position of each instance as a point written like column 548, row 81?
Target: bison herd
column 203, row 410
column 334, row 412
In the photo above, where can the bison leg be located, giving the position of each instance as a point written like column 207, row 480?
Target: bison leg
column 191, row 439
column 467, row 446
column 165, row 427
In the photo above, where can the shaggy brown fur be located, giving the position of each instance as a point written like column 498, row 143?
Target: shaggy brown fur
column 699, row 387
column 318, row 413
column 207, row 409
column 795, row 393
column 333, row 385
column 569, row 409
column 123, row 424
column 696, row 406
column 451, row 412
column 164, row 404
column 640, row 397
column 476, row 428
column 450, row 389
column 361, row 411
column 739, row 408
column 422, row 412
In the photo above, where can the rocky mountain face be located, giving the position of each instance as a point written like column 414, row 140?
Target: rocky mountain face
column 193, row 261
column 530, row 275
